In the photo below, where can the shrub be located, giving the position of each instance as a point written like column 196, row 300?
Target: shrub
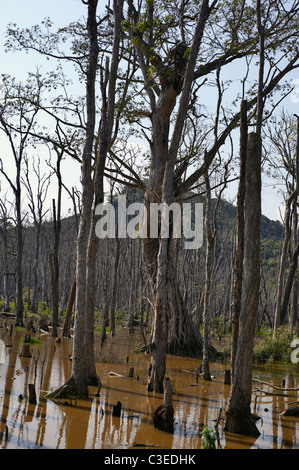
column 208, row 439
column 274, row 349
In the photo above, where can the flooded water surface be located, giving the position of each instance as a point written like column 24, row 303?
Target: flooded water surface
column 70, row 424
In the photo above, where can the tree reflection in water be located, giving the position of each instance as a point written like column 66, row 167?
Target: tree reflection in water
column 74, row 424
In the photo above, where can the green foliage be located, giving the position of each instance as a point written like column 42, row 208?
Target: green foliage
column 33, row 340
column 272, row 349
column 208, row 440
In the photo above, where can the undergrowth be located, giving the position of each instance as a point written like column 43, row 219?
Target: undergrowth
column 277, row 348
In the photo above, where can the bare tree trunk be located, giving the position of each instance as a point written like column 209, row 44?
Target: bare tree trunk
column 208, row 276
column 114, row 285
column 4, row 235
column 78, row 382
column 108, row 80
column 69, row 310
column 54, row 268
column 289, row 284
column 282, row 267
column 33, row 304
column 283, row 298
column 164, row 414
column 54, row 255
column 19, row 265
column 294, row 312
column 105, row 312
column 239, row 249
column 294, row 315
column 239, row 418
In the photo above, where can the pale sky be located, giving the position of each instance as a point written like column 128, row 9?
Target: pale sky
column 26, row 13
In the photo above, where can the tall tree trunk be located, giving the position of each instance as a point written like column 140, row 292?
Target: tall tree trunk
column 114, row 285
column 105, row 308
column 208, row 280
column 289, row 284
column 294, row 315
column 54, row 266
column 104, row 143
column 239, row 419
column 239, row 249
column 282, row 267
column 78, row 382
column 33, row 305
column 284, row 297
column 4, row 233
column 294, row 312
column 19, row 267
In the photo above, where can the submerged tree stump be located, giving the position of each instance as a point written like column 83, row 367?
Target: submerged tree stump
column 227, row 377
column 116, row 409
column 32, row 394
column 164, row 414
column 43, row 324
column 291, row 411
column 25, row 352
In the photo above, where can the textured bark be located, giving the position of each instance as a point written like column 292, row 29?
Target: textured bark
column 53, row 256
column 19, row 261
column 4, row 236
column 78, row 382
column 289, row 284
column 295, row 291
column 114, row 286
column 239, row 249
column 33, row 303
column 69, row 310
column 164, row 414
column 104, row 143
column 210, row 240
column 158, row 351
column 182, row 336
column 284, row 292
column 282, row 266
column 239, row 419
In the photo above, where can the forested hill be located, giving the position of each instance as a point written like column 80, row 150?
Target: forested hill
column 227, row 214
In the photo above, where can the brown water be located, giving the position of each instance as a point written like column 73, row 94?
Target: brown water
column 90, row 424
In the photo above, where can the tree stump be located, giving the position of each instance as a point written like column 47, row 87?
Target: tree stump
column 31, row 326
column 116, row 409
column 164, row 414
column 43, row 324
column 227, row 377
column 291, row 411
column 25, row 352
column 32, row 394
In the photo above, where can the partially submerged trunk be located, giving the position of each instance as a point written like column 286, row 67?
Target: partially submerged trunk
column 77, row 385
column 19, row 261
column 164, row 414
column 239, row 419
